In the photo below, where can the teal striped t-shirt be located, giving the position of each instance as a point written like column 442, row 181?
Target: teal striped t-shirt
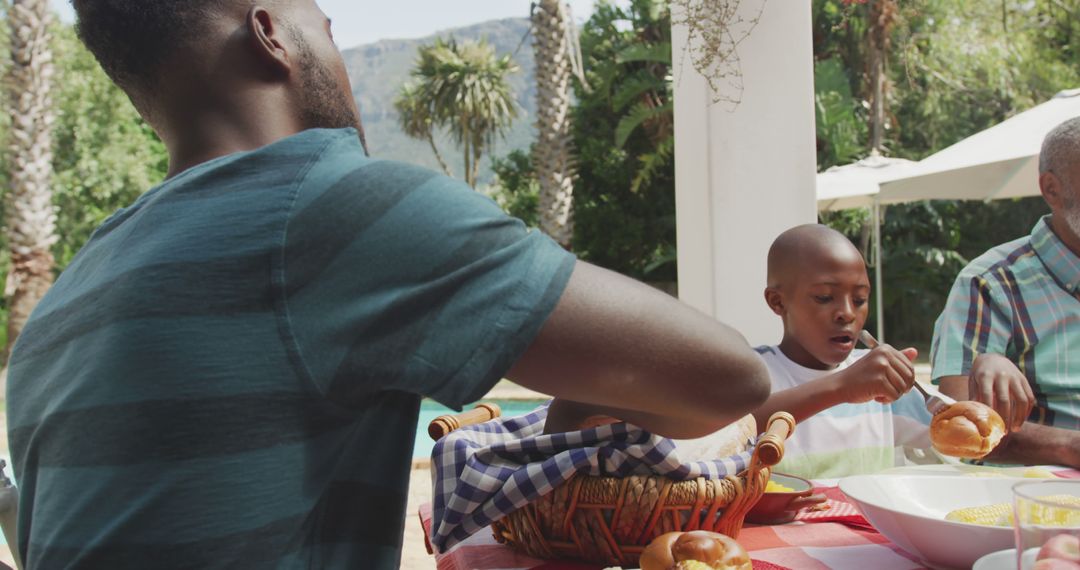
column 228, row 375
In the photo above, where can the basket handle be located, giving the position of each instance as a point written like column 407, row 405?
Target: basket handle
column 770, row 448
column 445, row 424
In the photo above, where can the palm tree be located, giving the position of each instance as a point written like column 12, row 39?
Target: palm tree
column 30, row 221
column 462, row 87
column 554, row 48
column 416, row 120
column 882, row 16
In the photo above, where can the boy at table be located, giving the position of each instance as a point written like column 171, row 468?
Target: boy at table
column 853, row 407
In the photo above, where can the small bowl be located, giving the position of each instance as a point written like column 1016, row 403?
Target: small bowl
column 779, row 507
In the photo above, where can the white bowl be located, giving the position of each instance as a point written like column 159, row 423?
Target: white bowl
column 910, row 511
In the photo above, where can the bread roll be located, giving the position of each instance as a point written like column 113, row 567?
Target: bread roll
column 966, row 429
column 731, row 440
column 694, row 549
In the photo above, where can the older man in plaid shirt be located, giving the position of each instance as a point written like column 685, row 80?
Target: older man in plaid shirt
column 1010, row 332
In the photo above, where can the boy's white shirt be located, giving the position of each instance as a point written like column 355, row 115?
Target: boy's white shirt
column 848, row 439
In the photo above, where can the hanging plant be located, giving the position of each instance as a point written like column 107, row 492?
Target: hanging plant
column 716, row 29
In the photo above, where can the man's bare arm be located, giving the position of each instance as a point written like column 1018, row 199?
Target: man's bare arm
column 1032, row 444
column 642, row 356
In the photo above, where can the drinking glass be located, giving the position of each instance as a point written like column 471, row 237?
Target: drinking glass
column 1046, row 522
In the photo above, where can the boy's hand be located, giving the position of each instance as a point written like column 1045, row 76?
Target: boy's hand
column 995, row 381
column 884, row 375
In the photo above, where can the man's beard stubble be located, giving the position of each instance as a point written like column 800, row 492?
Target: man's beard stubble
column 325, row 104
column 1071, row 211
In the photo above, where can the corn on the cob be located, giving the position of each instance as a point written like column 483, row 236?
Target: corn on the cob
column 987, row 515
column 1001, row 514
column 1048, row 515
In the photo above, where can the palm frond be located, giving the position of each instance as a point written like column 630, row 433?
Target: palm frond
column 659, row 52
column 653, row 162
column 638, row 115
column 634, row 86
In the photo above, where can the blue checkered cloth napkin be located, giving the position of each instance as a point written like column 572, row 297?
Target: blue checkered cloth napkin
column 483, row 472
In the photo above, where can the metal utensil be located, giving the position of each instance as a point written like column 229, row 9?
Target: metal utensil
column 935, row 400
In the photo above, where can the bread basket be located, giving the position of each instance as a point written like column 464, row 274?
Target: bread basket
column 610, row 520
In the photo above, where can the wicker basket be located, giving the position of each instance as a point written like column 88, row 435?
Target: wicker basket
column 609, row 520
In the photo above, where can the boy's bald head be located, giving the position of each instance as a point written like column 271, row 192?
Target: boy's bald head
column 803, row 246
column 817, row 284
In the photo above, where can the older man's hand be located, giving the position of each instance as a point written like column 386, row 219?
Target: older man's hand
column 995, row 381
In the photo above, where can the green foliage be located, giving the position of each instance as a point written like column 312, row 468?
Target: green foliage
column 624, row 201
column 639, row 114
column 516, row 188
column 955, row 67
column 105, row 155
column 960, row 67
column 841, row 131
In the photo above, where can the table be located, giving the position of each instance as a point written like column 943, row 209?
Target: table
column 838, row 538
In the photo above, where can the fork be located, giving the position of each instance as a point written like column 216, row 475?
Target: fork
column 935, row 400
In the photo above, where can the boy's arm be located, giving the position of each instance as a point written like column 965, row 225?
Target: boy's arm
column 621, row 345
column 883, row 374
column 802, row 401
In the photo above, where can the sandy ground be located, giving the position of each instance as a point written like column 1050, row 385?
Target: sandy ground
column 413, row 554
column 5, row 550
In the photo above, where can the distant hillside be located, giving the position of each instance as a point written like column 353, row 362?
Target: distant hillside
column 379, row 70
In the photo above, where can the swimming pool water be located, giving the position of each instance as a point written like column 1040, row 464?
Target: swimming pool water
column 430, row 410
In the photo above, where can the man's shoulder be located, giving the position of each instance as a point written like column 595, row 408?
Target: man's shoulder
column 330, row 155
column 1007, row 255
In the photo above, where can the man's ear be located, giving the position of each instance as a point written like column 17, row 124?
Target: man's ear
column 775, row 300
column 266, row 35
column 1051, row 188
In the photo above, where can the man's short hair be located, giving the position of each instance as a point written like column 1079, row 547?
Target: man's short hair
column 1061, row 147
column 132, row 39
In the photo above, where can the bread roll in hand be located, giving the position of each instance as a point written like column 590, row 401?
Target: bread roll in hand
column 966, row 429
column 694, row 550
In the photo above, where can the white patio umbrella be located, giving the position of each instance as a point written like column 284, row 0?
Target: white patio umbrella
column 1000, row 162
column 857, row 185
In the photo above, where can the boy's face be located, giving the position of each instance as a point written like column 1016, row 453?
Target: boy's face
column 824, row 305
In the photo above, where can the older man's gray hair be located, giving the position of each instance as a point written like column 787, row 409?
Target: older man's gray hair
column 1060, row 147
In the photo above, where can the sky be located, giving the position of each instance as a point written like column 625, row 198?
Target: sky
column 358, row 22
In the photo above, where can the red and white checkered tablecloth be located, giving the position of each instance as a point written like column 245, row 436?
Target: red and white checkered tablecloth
column 834, row 538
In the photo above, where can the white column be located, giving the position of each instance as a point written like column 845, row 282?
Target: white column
column 744, row 175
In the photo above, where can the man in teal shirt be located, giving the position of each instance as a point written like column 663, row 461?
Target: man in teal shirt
column 228, row 374
column 1010, row 332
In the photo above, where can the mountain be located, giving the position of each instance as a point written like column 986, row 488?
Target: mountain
column 378, row 71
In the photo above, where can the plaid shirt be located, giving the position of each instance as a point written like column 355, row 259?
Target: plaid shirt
column 1020, row 299
column 484, row 472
